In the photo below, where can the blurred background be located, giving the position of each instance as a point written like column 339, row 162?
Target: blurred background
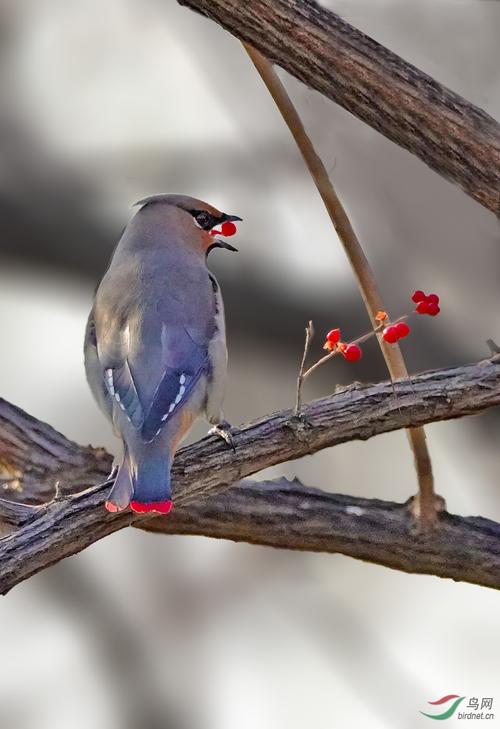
column 105, row 103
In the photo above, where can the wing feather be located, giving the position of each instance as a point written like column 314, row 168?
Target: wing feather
column 152, row 340
column 149, row 415
column 121, row 387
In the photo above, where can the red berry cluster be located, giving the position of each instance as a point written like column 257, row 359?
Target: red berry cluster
column 426, row 303
column 350, row 352
column 393, row 332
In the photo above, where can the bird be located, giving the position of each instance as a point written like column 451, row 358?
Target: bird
column 155, row 346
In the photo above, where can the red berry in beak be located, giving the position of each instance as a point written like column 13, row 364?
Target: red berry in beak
column 352, row 353
column 228, row 228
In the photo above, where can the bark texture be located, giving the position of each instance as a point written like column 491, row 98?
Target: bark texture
column 36, row 461
column 452, row 136
column 289, row 515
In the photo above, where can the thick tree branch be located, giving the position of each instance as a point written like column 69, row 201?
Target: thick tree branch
column 291, row 516
column 456, row 139
column 34, row 453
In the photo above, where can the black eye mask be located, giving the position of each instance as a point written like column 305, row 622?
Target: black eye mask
column 204, row 219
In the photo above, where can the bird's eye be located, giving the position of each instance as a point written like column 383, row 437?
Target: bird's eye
column 203, row 219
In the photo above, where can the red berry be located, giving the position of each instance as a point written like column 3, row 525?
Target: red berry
column 418, row 296
column 228, row 228
column 333, row 336
column 432, row 299
column 352, row 353
column 390, row 334
column 433, row 309
column 423, row 307
column 402, row 329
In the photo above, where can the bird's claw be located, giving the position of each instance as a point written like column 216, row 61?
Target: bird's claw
column 223, row 430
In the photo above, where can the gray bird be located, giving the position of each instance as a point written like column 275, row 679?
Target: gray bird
column 155, row 344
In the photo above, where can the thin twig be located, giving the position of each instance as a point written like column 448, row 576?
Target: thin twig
column 359, row 340
column 300, row 378
column 359, row 263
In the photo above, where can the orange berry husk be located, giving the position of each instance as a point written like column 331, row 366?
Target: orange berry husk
column 381, row 316
column 329, row 346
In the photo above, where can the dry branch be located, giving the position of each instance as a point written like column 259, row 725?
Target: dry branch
column 455, row 138
column 291, row 516
column 425, row 504
column 38, row 457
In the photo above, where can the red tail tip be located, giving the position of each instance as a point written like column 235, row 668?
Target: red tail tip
column 161, row 507
column 113, row 508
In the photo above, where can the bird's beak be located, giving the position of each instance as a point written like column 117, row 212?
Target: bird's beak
column 224, row 244
column 218, row 243
column 230, row 218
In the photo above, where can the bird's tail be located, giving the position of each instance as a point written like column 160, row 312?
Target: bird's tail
column 143, row 483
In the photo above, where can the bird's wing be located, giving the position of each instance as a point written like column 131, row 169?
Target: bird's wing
column 153, row 349
column 121, row 387
column 185, row 360
column 149, row 384
column 93, row 369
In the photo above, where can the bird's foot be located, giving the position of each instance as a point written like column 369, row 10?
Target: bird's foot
column 223, row 430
